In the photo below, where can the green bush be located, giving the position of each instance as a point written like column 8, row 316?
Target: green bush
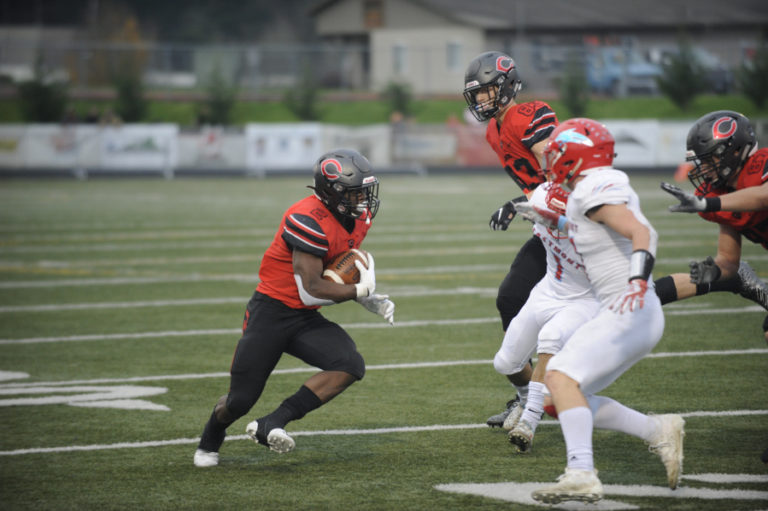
column 683, row 77
column 398, row 97
column 220, row 100
column 753, row 77
column 41, row 99
column 574, row 89
column 130, row 105
column 302, row 101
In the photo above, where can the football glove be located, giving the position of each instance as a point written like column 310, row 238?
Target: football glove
column 690, row 203
column 704, row 272
column 632, row 298
column 381, row 305
column 367, row 284
column 541, row 216
column 503, row 216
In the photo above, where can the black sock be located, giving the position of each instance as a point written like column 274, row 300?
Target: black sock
column 293, row 408
column 213, row 435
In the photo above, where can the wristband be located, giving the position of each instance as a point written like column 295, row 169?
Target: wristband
column 361, row 291
column 562, row 222
column 713, row 204
column 640, row 265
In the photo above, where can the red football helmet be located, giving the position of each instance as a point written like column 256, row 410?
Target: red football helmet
column 575, row 146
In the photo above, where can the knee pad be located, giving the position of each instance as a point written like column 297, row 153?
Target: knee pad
column 353, row 364
column 507, row 367
column 237, row 405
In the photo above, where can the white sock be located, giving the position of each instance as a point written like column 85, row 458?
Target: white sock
column 576, row 424
column 534, row 406
column 522, row 391
column 610, row 414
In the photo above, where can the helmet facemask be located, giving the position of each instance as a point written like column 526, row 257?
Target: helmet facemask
column 355, row 202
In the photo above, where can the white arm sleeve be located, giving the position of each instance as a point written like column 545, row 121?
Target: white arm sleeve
column 308, row 299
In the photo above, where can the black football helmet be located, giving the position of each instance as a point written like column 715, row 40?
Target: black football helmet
column 345, row 183
column 495, row 73
column 718, row 144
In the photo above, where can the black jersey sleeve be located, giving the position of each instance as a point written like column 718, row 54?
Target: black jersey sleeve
column 304, row 233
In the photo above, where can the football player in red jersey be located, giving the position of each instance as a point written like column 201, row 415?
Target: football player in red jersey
column 282, row 315
column 518, row 134
column 731, row 179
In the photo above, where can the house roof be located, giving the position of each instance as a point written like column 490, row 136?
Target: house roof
column 582, row 14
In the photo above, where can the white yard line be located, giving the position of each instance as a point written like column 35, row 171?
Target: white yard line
column 377, row 325
column 373, row 367
column 334, row 432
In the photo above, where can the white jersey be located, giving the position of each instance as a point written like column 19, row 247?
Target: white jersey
column 560, row 302
column 604, row 252
column 603, row 348
column 565, row 277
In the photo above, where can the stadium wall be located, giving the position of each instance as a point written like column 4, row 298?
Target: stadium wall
column 263, row 149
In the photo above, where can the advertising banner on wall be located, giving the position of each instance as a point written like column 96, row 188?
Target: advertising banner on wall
column 282, row 146
column 140, row 147
column 212, row 147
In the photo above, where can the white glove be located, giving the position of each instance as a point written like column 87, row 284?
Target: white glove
column 537, row 215
column 367, row 284
column 381, row 305
column 632, row 298
column 689, row 203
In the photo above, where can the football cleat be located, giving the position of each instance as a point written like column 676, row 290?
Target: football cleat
column 667, row 443
column 513, row 417
column 206, row 458
column 277, row 439
column 752, row 287
column 521, row 436
column 574, row 484
column 497, row 421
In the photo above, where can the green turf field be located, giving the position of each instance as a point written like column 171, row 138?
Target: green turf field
column 120, row 303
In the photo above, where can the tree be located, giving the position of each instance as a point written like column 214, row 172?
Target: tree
column 398, row 97
column 41, row 98
column 683, row 77
column 302, row 100
column 574, row 89
column 220, row 99
column 753, row 76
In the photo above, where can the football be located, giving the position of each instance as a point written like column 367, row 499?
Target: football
column 342, row 269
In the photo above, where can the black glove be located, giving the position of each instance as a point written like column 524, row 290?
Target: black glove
column 690, row 203
column 502, row 217
column 704, row 272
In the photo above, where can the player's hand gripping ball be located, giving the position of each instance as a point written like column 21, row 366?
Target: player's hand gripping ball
column 342, row 269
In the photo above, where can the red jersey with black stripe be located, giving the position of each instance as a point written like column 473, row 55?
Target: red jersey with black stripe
column 524, row 125
column 307, row 226
column 753, row 225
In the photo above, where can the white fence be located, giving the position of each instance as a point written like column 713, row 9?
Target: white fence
column 260, row 149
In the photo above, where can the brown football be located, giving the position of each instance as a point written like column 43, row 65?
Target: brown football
column 342, row 269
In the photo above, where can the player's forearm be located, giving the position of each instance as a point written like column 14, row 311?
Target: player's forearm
column 754, row 198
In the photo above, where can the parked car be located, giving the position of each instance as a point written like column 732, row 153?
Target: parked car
column 718, row 76
column 619, row 71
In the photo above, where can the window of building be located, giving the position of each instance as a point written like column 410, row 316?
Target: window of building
column 373, row 14
column 454, row 61
column 399, row 59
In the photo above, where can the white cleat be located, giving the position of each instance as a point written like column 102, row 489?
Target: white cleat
column 206, row 458
column 277, row 439
column 514, row 416
column 521, row 437
column 667, row 443
column 579, row 485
